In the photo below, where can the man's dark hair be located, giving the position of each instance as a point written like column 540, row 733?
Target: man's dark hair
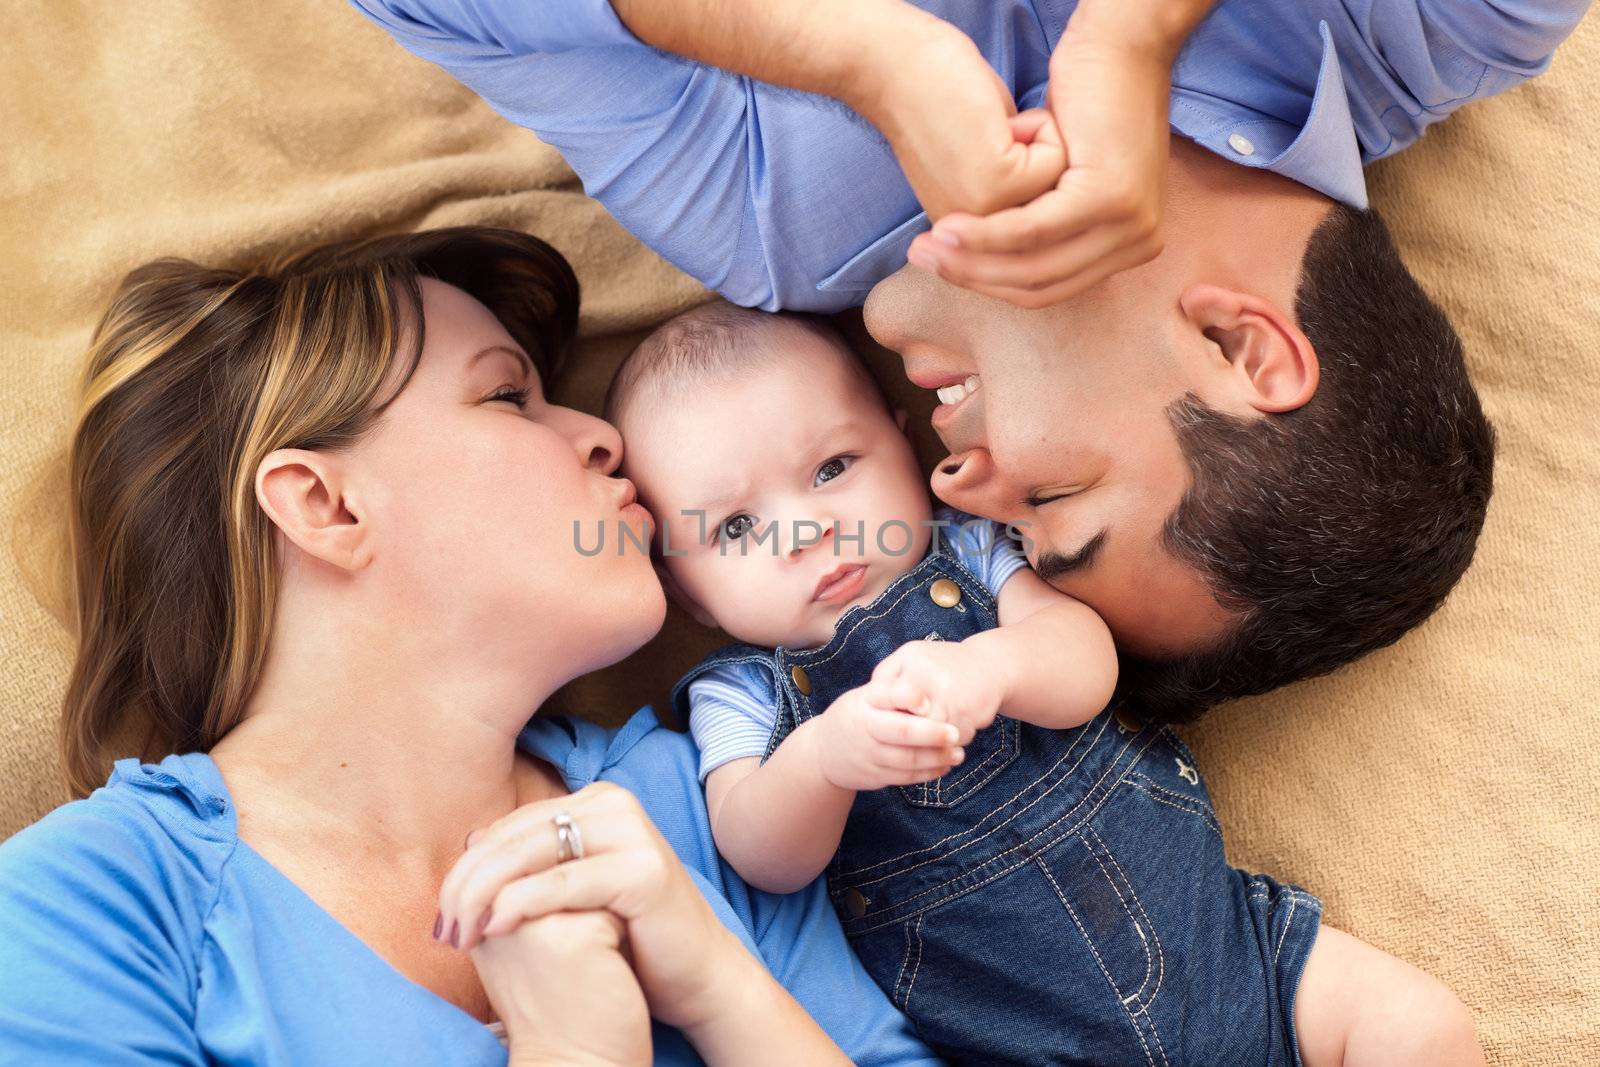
column 1335, row 528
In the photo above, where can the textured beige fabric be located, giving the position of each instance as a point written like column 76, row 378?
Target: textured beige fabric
column 1442, row 796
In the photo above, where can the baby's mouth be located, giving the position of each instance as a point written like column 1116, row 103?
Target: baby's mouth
column 841, row 583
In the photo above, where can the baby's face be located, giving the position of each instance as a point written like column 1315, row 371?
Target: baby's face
column 788, row 488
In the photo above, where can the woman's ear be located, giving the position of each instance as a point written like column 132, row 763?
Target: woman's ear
column 901, row 418
column 303, row 494
column 1268, row 359
column 676, row 594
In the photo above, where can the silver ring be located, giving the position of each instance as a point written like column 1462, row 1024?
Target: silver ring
column 569, row 842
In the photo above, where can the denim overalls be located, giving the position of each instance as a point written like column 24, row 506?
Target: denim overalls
column 1061, row 897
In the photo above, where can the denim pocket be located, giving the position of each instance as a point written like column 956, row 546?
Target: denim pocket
column 990, row 751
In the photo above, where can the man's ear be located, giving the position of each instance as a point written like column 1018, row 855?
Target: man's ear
column 303, row 494
column 1273, row 366
column 677, row 595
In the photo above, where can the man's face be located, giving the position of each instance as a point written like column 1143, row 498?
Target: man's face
column 1066, row 437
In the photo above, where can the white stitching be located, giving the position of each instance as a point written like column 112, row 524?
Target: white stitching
column 1009, row 816
column 1150, row 965
column 916, row 967
column 1095, row 952
column 1149, row 791
column 1293, row 904
column 1021, row 845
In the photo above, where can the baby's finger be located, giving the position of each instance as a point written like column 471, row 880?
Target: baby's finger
column 898, row 728
column 897, row 758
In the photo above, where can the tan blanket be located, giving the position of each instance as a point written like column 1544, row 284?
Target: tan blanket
column 1442, row 797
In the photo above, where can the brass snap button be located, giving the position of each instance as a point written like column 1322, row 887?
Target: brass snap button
column 801, row 682
column 1126, row 722
column 945, row 593
column 855, row 903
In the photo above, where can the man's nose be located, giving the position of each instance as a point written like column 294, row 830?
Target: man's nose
column 970, row 481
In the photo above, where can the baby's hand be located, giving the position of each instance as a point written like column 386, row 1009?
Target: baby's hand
column 942, row 680
column 863, row 742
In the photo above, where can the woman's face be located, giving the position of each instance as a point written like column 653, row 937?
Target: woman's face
column 479, row 495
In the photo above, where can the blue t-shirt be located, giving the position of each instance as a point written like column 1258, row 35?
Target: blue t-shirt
column 776, row 198
column 734, row 707
column 137, row 928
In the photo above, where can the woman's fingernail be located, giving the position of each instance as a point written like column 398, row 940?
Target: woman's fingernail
column 438, row 924
column 945, row 237
column 455, row 934
column 483, row 921
column 923, row 258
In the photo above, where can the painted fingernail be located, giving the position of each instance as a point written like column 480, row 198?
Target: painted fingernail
column 455, row 934
column 945, row 237
column 923, row 258
column 438, row 925
column 483, row 921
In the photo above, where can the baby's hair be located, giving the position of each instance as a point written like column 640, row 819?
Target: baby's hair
column 716, row 339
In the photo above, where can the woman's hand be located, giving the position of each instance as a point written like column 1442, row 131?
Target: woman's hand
column 509, row 876
column 565, row 993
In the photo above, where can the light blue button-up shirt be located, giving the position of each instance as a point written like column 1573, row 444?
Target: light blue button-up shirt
column 136, row 927
column 782, row 199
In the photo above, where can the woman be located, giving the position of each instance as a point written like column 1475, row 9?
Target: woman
column 323, row 529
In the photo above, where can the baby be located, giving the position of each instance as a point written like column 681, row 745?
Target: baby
column 1032, row 876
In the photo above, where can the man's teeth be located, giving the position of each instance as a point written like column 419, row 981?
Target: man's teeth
column 955, row 394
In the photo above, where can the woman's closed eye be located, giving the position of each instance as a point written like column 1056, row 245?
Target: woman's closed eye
column 511, row 395
column 832, row 469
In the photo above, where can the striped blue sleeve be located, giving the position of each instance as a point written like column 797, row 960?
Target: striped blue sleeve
column 732, row 710
column 982, row 546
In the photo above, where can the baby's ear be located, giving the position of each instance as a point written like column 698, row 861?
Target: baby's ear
column 676, row 594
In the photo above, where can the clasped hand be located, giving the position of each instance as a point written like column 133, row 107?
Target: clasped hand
column 909, row 723
column 1036, row 207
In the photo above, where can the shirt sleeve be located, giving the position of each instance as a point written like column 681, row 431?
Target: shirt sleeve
column 982, row 546
column 666, row 144
column 93, row 969
column 1513, row 35
column 730, row 717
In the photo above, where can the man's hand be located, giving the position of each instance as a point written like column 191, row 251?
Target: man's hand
column 943, row 680
column 860, row 743
column 953, row 126
column 1104, row 215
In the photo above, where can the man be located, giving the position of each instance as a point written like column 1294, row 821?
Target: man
column 1177, row 351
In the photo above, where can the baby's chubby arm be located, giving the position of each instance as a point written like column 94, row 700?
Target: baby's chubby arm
column 778, row 823
column 1050, row 662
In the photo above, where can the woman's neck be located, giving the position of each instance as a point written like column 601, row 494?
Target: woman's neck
column 400, row 750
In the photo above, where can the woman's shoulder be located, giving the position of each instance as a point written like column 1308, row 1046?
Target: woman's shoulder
column 152, row 841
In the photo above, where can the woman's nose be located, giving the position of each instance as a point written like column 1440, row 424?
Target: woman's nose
column 971, row 482
column 598, row 444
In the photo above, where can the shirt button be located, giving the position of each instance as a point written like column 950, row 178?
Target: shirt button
column 1127, row 722
column 945, row 593
column 855, row 902
column 801, row 682
column 1241, row 144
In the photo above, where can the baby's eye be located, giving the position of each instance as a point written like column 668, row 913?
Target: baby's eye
column 833, row 468
column 736, row 527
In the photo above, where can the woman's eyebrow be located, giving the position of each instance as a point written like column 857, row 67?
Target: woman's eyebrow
column 520, row 357
column 1053, row 565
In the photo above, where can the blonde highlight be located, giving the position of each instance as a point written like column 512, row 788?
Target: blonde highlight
column 194, row 376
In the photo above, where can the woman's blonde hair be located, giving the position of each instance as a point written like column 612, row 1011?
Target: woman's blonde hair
column 194, row 376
